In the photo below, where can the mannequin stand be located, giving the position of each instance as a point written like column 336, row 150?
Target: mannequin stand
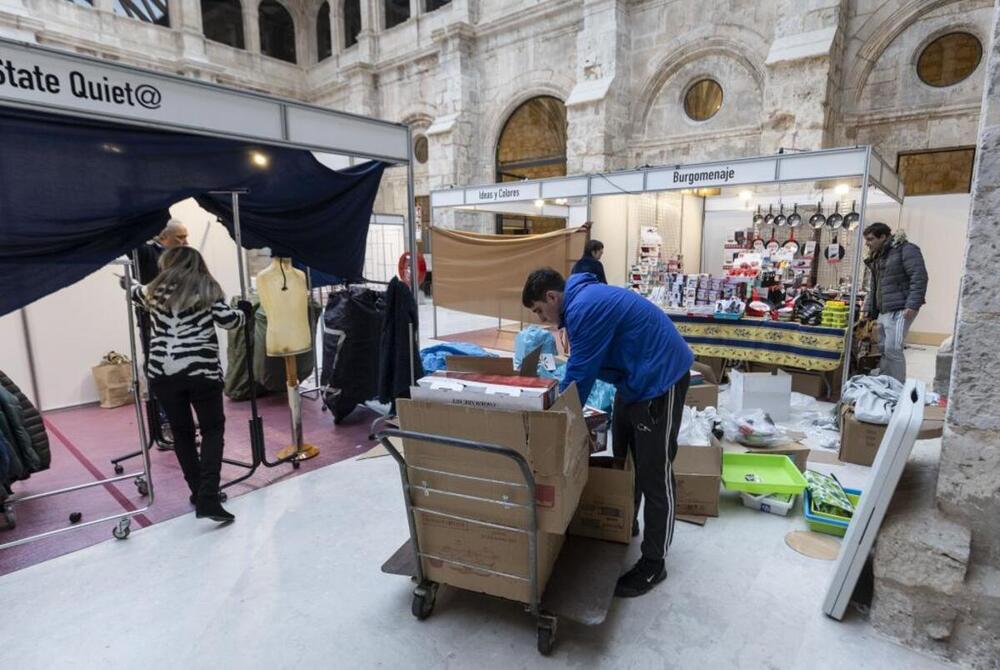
column 298, row 450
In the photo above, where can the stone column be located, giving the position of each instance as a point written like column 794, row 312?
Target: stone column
column 368, row 37
column 597, row 109
column 937, row 567
column 185, row 17
column 251, row 26
column 416, row 8
column 803, row 67
column 305, row 34
column 338, row 39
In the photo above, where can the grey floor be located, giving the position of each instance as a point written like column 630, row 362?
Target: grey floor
column 295, row 583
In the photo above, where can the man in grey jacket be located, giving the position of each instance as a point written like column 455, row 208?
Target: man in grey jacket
column 898, row 291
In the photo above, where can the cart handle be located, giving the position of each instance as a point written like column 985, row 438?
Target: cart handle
column 484, row 447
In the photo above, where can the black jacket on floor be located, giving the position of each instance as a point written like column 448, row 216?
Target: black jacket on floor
column 396, row 370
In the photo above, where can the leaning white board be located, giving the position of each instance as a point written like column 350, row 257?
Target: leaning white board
column 886, row 471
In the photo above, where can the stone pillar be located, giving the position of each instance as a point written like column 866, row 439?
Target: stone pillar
column 251, row 26
column 416, row 8
column 803, row 68
column 368, row 37
column 338, row 39
column 453, row 138
column 185, row 17
column 937, row 569
column 305, row 35
column 597, row 110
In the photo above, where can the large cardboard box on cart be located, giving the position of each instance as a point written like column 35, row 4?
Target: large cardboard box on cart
column 555, row 443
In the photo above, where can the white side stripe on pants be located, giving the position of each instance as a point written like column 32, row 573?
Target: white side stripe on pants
column 669, row 473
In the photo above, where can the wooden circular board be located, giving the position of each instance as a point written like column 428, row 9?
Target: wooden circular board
column 814, row 545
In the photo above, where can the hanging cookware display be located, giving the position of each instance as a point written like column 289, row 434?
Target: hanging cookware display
column 780, row 220
column 758, row 218
column 770, row 215
column 773, row 244
column 852, row 220
column 791, row 245
column 835, row 220
column 834, row 251
column 757, row 244
column 794, row 219
column 817, row 220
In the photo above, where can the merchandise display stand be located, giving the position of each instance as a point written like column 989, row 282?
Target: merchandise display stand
column 811, row 170
column 122, row 528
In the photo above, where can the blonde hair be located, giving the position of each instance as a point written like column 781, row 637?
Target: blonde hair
column 184, row 282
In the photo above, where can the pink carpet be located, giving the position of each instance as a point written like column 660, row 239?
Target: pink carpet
column 85, row 439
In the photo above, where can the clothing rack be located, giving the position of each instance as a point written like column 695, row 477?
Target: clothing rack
column 122, row 529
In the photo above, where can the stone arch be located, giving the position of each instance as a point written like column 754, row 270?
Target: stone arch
column 885, row 26
column 222, row 21
column 693, row 49
column 497, row 119
column 282, row 38
column 532, row 143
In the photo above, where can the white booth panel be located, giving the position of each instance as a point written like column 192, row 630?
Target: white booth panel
column 565, row 188
column 348, row 134
column 625, row 182
column 447, row 198
column 692, row 232
column 823, row 165
column 610, row 227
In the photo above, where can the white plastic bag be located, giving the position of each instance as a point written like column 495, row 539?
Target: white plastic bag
column 753, row 428
column 696, row 427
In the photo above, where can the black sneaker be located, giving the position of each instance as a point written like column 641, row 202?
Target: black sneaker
column 641, row 578
column 166, row 441
column 211, row 508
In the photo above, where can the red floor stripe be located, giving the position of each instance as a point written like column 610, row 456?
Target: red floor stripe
column 126, row 504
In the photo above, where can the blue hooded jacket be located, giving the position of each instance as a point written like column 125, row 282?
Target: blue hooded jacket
column 621, row 338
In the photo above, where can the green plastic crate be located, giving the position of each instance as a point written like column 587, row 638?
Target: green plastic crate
column 830, row 524
column 761, row 473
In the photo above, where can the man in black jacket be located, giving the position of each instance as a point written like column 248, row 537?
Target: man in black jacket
column 898, row 291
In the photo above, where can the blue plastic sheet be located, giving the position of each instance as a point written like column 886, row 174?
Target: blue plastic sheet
column 531, row 338
column 602, row 396
column 433, row 358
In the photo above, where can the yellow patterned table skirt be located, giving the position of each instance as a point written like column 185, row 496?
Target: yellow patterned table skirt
column 770, row 342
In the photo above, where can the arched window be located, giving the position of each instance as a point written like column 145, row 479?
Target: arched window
column 352, row 21
column 277, row 31
column 532, row 144
column 150, row 11
column 222, row 21
column 396, row 11
column 435, row 4
column 324, row 40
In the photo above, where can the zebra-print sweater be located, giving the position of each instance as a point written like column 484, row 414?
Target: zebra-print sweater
column 185, row 344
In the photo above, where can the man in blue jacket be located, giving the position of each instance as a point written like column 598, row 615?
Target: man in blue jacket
column 619, row 337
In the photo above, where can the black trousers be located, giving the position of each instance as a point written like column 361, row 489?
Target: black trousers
column 177, row 395
column 648, row 430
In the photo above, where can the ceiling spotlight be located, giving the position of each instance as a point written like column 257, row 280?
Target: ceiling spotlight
column 842, row 189
column 561, row 201
column 745, row 195
column 539, row 204
column 259, row 159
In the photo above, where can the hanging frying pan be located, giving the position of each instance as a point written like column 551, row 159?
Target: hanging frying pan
column 794, row 219
column 792, row 244
column 835, row 220
column 770, row 215
column 780, row 220
column 758, row 242
column 758, row 218
column 834, row 252
column 773, row 244
column 817, row 220
column 852, row 220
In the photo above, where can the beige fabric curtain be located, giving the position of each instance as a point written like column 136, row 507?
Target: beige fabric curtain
column 484, row 274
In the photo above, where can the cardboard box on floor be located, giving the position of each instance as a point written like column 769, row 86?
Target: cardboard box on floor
column 705, row 394
column 796, row 451
column 860, row 441
column 493, row 365
column 698, row 474
column 806, row 383
column 607, row 505
column 761, row 390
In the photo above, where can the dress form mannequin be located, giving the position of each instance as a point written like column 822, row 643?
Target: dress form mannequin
column 284, row 295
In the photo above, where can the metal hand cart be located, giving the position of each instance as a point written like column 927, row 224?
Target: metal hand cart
column 583, row 580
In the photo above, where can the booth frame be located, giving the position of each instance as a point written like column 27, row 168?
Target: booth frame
column 858, row 162
column 194, row 107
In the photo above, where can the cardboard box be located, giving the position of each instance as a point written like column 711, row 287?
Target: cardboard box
column 456, row 546
column 796, row 451
column 607, row 505
column 702, row 396
column 859, row 441
column 810, row 384
column 492, row 365
column 698, row 473
column 555, row 443
column 488, row 391
column 761, row 390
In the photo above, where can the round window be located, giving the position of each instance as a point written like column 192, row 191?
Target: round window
column 703, row 100
column 949, row 59
column 420, row 149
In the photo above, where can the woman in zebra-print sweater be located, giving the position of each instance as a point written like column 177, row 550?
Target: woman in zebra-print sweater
column 185, row 303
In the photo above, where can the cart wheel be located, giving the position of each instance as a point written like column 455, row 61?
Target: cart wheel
column 423, row 600
column 10, row 517
column 546, row 636
column 119, row 469
column 75, row 517
column 122, row 530
column 296, row 465
column 223, row 497
column 142, row 486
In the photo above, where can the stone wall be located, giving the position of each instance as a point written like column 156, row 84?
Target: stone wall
column 937, row 564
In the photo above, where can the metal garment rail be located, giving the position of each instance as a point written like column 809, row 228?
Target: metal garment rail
column 123, row 527
column 425, row 592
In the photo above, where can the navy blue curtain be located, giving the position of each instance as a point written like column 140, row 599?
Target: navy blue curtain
column 76, row 194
